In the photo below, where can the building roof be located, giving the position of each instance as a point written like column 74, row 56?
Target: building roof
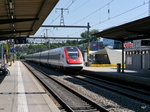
column 138, row 29
column 23, row 17
column 114, row 56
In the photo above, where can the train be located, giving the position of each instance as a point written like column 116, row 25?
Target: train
column 68, row 58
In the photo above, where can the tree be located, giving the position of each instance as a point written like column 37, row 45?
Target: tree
column 91, row 36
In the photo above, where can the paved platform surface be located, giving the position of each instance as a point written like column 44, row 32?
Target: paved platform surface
column 139, row 77
column 140, row 73
column 21, row 92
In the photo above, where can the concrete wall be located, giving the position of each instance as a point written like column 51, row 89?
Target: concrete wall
column 138, row 61
column 135, row 63
column 145, row 61
column 115, row 56
column 108, row 56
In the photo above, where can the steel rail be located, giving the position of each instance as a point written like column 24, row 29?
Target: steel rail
column 119, row 85
column 118, row 91
column 93, row 104
column 65, row 106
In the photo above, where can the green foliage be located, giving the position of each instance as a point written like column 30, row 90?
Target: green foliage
column 21, row 56
column 91, row 36
column 29, row 49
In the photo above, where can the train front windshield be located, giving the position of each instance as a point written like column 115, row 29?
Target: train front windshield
column 73, row 52
column 73, row 55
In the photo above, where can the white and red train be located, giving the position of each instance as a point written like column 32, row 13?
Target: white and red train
column 67, row 58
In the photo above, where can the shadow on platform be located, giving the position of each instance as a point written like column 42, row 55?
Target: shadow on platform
column 3, row 74
column 2, row 77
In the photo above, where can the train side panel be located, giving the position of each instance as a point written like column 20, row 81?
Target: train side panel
column 43, row 57
column 54, row 57
column 68, row 57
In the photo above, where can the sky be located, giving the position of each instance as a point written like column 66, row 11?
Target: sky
column 101, row 14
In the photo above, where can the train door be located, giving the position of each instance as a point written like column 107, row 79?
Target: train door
column 62, row 56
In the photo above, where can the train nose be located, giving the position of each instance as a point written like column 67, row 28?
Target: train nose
column 68, row 60
column 81, row 60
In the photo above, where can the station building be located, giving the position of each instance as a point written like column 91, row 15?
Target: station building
column 107, row 56
column 103, row 52
column 138, row 54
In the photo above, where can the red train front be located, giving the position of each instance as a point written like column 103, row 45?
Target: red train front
column 73, row 57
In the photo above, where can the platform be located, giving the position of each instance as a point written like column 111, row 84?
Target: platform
column 21, row 92
column 137, row 77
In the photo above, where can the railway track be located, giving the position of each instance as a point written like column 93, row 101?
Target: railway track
column 71, row 100
column 136, row 94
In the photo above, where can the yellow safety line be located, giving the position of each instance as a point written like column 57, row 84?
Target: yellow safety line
column 104, row 65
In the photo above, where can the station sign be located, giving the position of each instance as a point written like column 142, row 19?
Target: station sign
column 129, row 44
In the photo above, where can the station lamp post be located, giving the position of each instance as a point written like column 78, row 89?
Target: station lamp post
column 88, row 46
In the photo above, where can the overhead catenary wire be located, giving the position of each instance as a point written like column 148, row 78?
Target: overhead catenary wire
column 91, row 14
column 94, row 12
column 127, row 20
column 135, row 17
column 119, row 14
column 73, row 1
column 80, row 6
column 113, row 17
column 71, row 4
column 57, row 17
column 101, row 21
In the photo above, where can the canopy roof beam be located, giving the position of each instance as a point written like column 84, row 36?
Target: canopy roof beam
column 7, row 21
column 13, row 32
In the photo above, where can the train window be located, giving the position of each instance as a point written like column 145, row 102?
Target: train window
column 71, row 48
column 55, row 57
column 62, row 56
column 73, row 55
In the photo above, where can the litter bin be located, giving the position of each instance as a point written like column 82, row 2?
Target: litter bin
column 86, row 63
column 118, row 67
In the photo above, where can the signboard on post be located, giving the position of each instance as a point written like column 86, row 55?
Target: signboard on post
column 20, row 40
column 129, row 44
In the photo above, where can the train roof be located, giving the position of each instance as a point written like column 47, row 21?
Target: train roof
column 51, row 50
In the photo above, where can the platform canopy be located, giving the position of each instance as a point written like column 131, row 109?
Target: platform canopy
column 139, row 29
column 23, row 17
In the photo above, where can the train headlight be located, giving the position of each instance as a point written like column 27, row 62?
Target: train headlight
column 68, row 60
column 80, row 60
